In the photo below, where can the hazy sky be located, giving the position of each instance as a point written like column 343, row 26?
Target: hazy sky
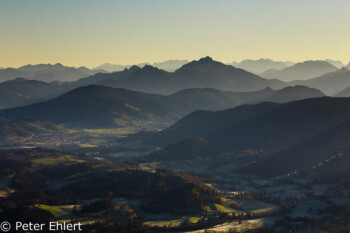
column 91, row 32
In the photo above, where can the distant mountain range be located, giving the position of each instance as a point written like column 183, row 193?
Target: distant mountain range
column 330, row 83
column 47, row 73
column 100, row 106
column 204, row 73
column 344, row 93
column 169, row 66
column 196, row 74
column 261, row 65
column 207, row 73
column 58, row 72
column 301, row 71
column 335, row 63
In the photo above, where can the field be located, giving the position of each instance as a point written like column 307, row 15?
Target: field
column 235, row 226
column 63, row 212
column 53, row 161
column 256, row 207
column 4, row 191
column 219, row 208
column 123, row 130
column 173, row 223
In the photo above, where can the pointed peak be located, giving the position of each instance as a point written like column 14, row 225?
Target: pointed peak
column 206, row 59
column 134, row 68
column 149, row 67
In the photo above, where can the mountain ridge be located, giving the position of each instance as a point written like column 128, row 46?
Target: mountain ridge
column 202, row 73
column 278, row 128
column 46, row 72
column 97, row 105
column 169, row 65
column 301, row 71
column 330, row 83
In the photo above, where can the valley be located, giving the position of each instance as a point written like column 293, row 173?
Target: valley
column 155, row 116
column 235, row 155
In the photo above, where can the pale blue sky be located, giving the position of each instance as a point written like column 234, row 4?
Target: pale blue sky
column 87, row 32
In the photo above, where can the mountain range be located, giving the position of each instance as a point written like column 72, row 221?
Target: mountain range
column 204, row 73
column 344, row 93
column 260, row 65
column 207, row 73
column 170, row 65
column 288, row 136
column 336, row 63
column 300, row 71
column 306, row 154
column 47, row 72
column 197, row 74
column 100, row 106
column 330, row 83
column 201, row 123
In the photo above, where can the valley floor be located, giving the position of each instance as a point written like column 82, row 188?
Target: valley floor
column 295, row 201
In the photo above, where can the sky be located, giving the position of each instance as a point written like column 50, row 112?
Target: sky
column 92, row 32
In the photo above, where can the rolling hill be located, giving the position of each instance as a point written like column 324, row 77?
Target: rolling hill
column 25, row 127
column 273, row 130
column 99, row 106
column 20, row 92
column 160, row 192
column 307, row 154
column 213, row 99
column 291, row 93
column 301, row 71
column 201, row 123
